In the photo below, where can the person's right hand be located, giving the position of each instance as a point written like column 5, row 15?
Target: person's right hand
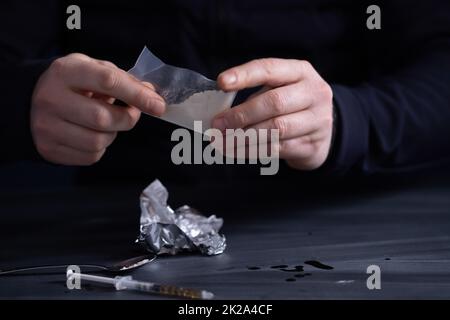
column 73, row 119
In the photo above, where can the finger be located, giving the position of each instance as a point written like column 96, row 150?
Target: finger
column 290, row 126
column 98, row 96
column 239, row 149
column 297, row 148
column 251, row 151
column 68, row 156
column 259, row 92
column 149, row 85
column 98, row 115
column 276, row 102
column 243, row 144
column 80, row 138
column 111, row 100
column 271, row 72
column 103, row 97
column 106, row 63
column 114, row 83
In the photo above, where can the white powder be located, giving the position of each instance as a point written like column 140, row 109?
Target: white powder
column 201, row 106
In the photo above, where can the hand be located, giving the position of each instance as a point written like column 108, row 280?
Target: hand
column 295, row 100
column 73, row 119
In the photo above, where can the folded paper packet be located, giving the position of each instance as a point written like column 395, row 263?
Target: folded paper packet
column 165, row 231
column 189, row 95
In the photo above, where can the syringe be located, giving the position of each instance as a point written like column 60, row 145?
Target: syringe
column 127, row 283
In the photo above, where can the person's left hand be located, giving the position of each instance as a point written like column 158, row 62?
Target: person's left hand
column 295, row 100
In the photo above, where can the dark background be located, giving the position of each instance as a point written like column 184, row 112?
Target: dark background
column 209, row 37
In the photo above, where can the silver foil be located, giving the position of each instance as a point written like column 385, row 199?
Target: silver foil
column 165, row 231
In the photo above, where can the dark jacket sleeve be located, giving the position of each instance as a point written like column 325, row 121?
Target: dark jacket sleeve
column 28, row 40
column 399, row 119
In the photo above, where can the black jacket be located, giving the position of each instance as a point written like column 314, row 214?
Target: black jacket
column 391, row 86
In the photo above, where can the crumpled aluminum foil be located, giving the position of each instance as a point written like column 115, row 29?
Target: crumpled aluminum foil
column 164, row 231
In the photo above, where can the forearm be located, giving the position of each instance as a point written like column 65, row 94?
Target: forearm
column 17, row 84
column 397, row 123
column 29, row 36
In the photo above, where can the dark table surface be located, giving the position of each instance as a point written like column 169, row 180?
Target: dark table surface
column 405, row 230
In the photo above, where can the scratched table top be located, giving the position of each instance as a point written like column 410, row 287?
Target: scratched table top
column 297, row 244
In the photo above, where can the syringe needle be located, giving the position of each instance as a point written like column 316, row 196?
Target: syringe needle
column 127, row 283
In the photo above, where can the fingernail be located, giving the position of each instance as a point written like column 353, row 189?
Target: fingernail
column 149, row 85
column 158, row 107
column 229, row 78
column 220, row 123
